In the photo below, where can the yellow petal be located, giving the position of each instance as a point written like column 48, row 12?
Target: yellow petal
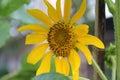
column 67, row 9
column 75, row 75
column 35, row 38
column 91, row 40
column 66, row 67
column 40, row 16
column 51, row 11
column 79, row 13
column 62, row 66
column 81, row 29
column 45, row 64
column 33, row 27
column 36, row 54
column 58, row 65
column 58, row 9
column 85, row 51
column 74, row 60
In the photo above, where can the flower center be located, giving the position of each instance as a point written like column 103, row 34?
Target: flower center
column 61, row 39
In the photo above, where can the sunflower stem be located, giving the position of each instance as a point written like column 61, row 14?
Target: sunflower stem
column 116, row 17
column 98, row 70
column 117, row 35
column 113, row 59
column 9, row 76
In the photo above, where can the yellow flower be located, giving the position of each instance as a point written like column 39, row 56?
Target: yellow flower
column 61, row 37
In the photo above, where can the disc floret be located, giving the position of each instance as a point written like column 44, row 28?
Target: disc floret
column 61, row 39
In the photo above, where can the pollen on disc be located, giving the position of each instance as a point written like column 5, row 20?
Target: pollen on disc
column 61, row 39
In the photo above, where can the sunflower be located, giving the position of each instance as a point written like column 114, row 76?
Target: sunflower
column 59, row 37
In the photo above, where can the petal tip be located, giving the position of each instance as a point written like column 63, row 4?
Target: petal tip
column 90, row 62
column 19, row 29
column 28, row 10
column 29, row 61
column 37, row 73
column 102, row 46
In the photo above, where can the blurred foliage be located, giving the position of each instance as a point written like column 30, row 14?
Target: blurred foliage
column 6, row 8
column 28, row 71
column 9, row 6
column 23, row 16
column 23, row 75
column 110, row 61
column 109, row 55
column 12, row 10
column 4, row 32
column 3, row 70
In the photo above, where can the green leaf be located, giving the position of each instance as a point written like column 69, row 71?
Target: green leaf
column 9, row 6
column 80, row 78
column 19, row 75
column 23, row 75
column 51, row 76
column 4, row 32
column 110, row 53
column 23, row 16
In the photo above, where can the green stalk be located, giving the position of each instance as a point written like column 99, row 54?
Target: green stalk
column 98, row 70
column 117, row 35
column 111, row 6
column 113, row 58
column 116, row 15
column 9, row 76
